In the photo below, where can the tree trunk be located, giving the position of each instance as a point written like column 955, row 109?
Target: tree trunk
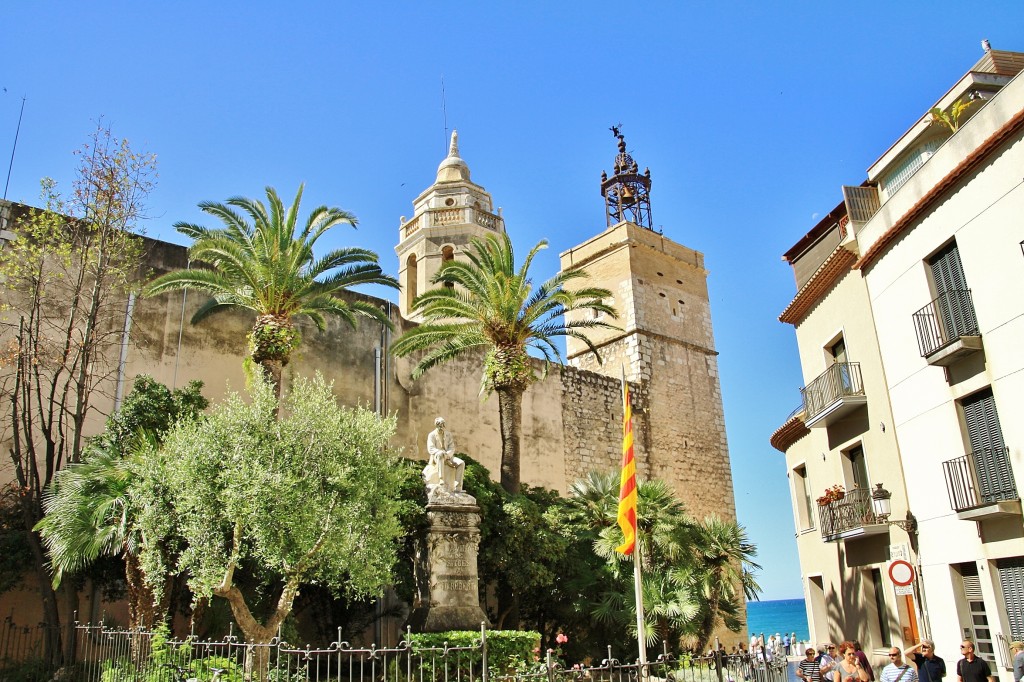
column 272, row 371
column 510, row 409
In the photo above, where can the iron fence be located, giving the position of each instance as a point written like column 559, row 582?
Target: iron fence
column 119, row 655
column 841, row 380
column 945, row 320
column 854, row 510
column 20, row 643
column 979, row 478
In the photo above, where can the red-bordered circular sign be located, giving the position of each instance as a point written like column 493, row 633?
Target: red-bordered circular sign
column 901, row 572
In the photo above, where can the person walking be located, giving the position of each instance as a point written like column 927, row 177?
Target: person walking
column 826, row 659
column 930, row 668
column 863, row 658
column 809, row 670
column 897, row 670
column 970, row 668
column 1017, row 649
column 849, row 668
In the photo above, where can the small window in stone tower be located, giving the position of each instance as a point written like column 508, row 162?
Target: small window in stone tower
column 410, row 280
column 447, row 254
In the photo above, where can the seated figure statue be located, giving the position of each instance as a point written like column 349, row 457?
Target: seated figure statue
column 444, row 470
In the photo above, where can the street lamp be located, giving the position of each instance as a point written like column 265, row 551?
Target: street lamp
column 882, row 506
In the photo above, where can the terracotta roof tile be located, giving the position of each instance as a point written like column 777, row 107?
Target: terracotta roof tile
column 834, row 267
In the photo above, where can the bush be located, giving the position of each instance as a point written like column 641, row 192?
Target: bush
column 508, row 651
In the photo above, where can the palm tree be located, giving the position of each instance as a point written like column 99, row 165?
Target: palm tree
column 90, row 513
column 494, row 307
column 725, row 563
column 267, row 266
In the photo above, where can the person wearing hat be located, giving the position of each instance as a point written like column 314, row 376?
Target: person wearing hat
column 1017, row 649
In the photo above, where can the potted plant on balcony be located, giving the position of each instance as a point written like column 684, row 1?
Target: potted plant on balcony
column 833, row 494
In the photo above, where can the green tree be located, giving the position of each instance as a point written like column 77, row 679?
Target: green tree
column 90, row 511
column 493, row 307
column 268, row 266
column 724, row 575
column 64, row 282
column 309, row 497
column 693, row 573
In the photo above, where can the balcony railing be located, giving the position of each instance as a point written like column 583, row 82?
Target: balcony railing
column 833, row 393
column 945, row 320
column 441, row 217
column 849, row 514
column 979, row 479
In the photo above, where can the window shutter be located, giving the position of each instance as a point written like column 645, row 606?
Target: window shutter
column 1011, row 578
column 995, row 479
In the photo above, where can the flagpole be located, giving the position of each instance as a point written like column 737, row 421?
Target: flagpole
column 641, row 635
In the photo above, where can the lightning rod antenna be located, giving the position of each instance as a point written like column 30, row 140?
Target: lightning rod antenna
column 17, row 132
column 444, row 114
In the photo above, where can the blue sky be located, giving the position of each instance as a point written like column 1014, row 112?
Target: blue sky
column 750, row 117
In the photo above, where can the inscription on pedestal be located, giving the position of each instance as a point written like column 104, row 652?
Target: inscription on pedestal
column 452, row 544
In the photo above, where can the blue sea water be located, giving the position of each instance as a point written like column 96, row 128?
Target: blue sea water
column 780, row 615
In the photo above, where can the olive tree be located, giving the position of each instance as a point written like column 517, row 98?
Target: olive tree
column 308, row 497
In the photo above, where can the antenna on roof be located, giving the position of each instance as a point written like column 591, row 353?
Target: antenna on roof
column 444, row 113
column 17, row 132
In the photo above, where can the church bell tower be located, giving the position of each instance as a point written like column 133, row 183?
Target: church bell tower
column 446, row 216
column 664, row 341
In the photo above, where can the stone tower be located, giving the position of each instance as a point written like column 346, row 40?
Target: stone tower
column 445, row 217
column 665, row 342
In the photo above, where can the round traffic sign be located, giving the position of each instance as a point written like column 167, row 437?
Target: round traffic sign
column 901, row 572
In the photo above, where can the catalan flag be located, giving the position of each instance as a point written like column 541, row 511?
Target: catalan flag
column 627, row 480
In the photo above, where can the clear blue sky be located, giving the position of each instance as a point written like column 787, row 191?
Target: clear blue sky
column 750, row 117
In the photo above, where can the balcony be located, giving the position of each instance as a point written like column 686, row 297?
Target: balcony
column 947, row 329
column 980, row 485
column 850, row 517
column 836, row 393
column 445, row 217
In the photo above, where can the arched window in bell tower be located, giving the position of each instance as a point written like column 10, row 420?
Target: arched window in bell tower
column 447, row 254
column 410, row 281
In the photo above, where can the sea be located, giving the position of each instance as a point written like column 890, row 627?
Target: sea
column 780, row 615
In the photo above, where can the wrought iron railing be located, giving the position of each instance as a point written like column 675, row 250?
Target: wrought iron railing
column 945, row 320
column 979, row 478
column 838, row 381
column 853, row 511
column 119, row 655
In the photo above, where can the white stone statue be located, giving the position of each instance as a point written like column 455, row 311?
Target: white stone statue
column 444, row 470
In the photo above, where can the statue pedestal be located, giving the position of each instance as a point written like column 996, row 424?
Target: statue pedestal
column 452, row 544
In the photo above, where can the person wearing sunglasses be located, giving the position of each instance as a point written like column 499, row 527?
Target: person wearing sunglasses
column 897, row 670
column 970, row 668
column 809, row 670
column 930, row 668
column 849, row 668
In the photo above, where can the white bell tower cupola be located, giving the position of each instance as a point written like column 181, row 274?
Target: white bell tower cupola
column 445, row 217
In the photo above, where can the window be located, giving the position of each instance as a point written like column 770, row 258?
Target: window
column 856, row 468
column 982, row 634
column 955, row 309
column 988, row 451
column 804, row 500
column 878, row 588
column 448, row 254
column 1011, row 579
column 410, row 281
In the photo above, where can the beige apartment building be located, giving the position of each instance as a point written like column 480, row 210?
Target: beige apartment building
column 909, row 316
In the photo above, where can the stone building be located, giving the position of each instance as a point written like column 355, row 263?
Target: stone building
column 908, row 321
column 571, row 418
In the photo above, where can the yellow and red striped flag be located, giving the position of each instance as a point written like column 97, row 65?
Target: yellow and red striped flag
column 627, row 480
